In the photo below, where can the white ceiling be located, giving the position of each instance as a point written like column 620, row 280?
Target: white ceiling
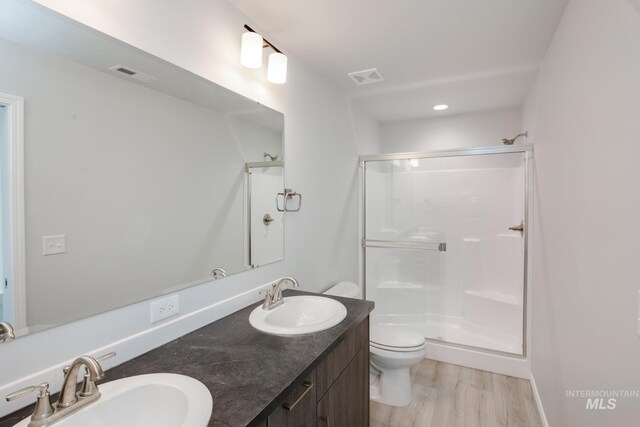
column 471, row 54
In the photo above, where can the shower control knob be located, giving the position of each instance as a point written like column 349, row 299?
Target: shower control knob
column 266, row 219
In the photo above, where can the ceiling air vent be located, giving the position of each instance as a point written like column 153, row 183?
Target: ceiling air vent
column 138, row 75
column 366, row 77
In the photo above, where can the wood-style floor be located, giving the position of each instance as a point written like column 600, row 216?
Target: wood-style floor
column 446, row 395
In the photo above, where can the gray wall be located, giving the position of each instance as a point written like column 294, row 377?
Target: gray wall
column 586, row 230
column 482, row 129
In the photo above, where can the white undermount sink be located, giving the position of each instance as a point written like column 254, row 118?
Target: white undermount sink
column 159, row 400
column 299, row 315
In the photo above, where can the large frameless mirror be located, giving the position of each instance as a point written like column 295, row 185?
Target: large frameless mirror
column 140, row 178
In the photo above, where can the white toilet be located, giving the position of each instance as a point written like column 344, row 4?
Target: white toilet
column 393, row 351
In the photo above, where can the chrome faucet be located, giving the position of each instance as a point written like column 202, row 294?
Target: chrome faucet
column 69, row 402
column 218, row 273
column 68, row 391
column 6, row 332
column 273, row 298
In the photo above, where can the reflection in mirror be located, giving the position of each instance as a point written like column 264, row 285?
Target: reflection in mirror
column 140, row 177
column 265, row 222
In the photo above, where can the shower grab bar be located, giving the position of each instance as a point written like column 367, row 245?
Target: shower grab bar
column 416, row 246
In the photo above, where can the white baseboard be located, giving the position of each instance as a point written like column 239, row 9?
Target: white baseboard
column 536, row 398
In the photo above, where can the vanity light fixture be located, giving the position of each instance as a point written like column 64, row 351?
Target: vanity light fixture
column 440, row 107
column 251, row 50
column 251, row 56
column 277, row 68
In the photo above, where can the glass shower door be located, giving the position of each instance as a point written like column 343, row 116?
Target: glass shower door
column 443, row 251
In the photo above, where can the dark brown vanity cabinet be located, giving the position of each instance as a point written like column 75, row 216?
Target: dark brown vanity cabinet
column 336, row 393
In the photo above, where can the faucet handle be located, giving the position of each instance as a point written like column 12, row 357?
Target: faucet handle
column 43, row 404
column 43, row 390
column 107, row 356
column 267, row 298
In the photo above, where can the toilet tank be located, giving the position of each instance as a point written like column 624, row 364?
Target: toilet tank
column 345, row 289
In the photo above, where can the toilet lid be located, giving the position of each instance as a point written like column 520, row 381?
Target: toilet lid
column 384, row 336
column 345, row 289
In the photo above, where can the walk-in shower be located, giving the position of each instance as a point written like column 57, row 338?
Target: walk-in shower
column 444, row 245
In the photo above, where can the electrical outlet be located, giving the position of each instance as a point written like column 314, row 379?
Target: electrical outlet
column 166, row 307
column 52, row 245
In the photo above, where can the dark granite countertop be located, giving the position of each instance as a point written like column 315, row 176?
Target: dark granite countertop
column 247, row 372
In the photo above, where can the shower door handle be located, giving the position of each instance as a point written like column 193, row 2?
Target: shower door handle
column 416, row 246
column 519, row 227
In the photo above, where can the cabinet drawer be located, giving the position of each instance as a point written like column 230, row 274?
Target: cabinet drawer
column 297, row 409
column 330, row 368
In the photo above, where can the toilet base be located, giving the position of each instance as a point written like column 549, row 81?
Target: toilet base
column 391, row 387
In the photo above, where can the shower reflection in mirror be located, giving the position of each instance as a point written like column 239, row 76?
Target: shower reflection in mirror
column 265, row 221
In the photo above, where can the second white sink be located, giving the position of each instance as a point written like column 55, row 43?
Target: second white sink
column 159, row 400
column 299, row 315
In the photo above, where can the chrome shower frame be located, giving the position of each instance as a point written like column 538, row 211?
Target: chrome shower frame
column 527, row 150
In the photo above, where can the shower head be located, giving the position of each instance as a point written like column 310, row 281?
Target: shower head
column 506, row 141
column 272, row 158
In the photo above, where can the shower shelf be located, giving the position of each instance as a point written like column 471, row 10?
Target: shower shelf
column 495, row 296
column 408, row 285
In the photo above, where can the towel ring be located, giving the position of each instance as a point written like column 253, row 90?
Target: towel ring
column 287, row 195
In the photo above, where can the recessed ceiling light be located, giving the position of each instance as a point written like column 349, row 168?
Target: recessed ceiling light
column 440, row 107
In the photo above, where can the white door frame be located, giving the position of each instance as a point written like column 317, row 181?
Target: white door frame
column 16, row 271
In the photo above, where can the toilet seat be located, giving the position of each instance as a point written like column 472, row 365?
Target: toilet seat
column 394, row 338
column 374, row 346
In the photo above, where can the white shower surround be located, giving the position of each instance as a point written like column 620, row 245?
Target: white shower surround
column 472, row 294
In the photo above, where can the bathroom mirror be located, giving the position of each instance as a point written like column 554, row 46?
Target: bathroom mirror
column 140, row 177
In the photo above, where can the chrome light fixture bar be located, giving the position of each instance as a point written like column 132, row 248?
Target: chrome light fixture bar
column 251, row 56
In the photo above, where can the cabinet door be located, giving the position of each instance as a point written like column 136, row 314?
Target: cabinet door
column 346, row 403
column 332, row 366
